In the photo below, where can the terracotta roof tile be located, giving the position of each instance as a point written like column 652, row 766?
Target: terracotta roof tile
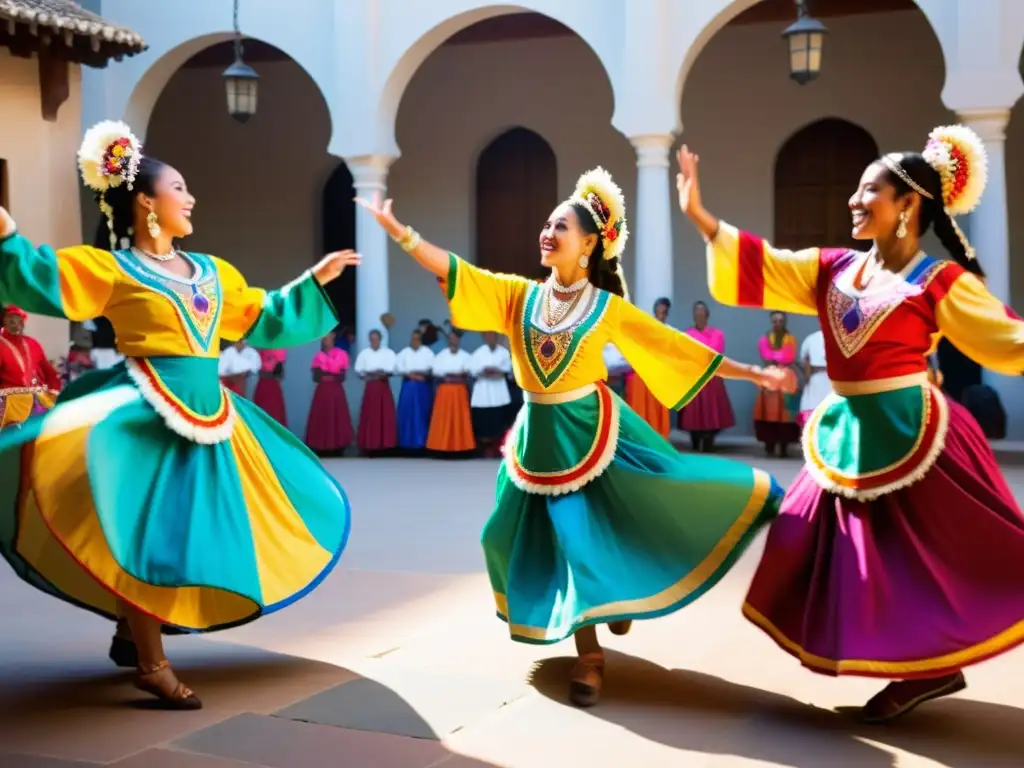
column 69, row 18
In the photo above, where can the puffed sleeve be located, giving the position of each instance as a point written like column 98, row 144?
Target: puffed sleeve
column 981, row 326
column 480, row 300
column 746, row 271
column 75, row 283
column 673, row 365
column 298, row 313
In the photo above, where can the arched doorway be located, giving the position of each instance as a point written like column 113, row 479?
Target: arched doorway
column 338, row 232
column 816, row 171
column 516, row 189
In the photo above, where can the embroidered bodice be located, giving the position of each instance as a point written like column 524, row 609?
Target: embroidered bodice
column 884, row 423
column 569, row 356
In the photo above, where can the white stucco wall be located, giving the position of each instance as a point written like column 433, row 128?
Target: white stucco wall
column 42, row 182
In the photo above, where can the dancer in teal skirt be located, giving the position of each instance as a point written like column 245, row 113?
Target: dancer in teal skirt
column 598, row 518
column 150, row 494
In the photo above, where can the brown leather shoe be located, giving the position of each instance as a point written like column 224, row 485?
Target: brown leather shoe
column 586, row 680
column 900, row 697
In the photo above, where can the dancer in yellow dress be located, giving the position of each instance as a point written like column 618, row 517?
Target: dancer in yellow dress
column 176, row 504
column 598, row 518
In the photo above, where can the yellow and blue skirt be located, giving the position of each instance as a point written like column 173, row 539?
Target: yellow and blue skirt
column 151, row 485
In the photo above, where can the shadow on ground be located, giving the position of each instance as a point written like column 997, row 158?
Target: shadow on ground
column 691, row 711
column 83, row 714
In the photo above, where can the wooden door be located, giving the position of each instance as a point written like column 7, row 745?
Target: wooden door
column 816, row 172
column 516, row 190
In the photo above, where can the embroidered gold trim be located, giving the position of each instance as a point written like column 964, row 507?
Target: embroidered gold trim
column 557, row 398
column 877, row 386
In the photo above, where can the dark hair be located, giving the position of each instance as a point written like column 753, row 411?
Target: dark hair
column 663, row 302
column 701, row 304
column 375, row 331
column 604, row 273
column 932, row 212
column 122, row 200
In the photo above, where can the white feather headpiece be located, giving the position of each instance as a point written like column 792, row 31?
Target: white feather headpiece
column 109, row 156
column 958, row 154
column 602, row 197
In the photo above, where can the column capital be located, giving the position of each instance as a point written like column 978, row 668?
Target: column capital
column 652, row 149
column 989, row 124
column 369, row 171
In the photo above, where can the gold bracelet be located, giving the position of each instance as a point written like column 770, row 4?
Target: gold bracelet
column 410, row 240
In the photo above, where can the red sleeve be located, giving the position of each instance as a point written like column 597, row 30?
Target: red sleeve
column 43, row 369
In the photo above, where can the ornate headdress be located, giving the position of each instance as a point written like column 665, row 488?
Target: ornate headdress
column 603, row 199
column 958, row 154
column 109, row 157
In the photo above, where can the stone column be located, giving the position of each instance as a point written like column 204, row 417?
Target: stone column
column 989, row 233
column 989, row 223
column 651, row 221
column 370, row 176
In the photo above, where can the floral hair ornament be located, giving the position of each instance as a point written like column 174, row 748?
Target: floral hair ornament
column 109, row 157
column 602, row 197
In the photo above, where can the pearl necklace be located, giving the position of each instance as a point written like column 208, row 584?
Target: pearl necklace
column 558, row 309
column 156, row 256
column 579, row 285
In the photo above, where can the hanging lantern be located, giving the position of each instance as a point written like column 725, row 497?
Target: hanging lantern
column 805, row 38
column 241, row 82
column 242, row 85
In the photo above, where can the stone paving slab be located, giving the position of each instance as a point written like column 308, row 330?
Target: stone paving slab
column 432, row 704
column 275, row 742
column 8, row 760
column 173, row 758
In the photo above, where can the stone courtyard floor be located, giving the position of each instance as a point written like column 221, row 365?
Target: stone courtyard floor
column 397, row 661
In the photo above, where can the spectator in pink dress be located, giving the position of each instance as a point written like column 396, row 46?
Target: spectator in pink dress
column 329, row 429
column 710, row 411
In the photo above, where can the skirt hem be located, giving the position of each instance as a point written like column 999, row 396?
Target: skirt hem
column 891, row 670
column 766, row 513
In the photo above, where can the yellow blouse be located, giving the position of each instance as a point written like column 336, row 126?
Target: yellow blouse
column 155, row 313
column 674, row 366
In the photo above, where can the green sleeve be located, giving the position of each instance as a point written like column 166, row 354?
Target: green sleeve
column 297, row 314
column 29, row 277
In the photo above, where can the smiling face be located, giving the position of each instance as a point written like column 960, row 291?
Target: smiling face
column 562, row 240
column 875, row 208
column 171, row 202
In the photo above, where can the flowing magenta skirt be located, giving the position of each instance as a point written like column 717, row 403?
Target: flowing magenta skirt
column 709, row 411
column 378, row 429
column 329, row 428
column 270, row 397
column 918, row 583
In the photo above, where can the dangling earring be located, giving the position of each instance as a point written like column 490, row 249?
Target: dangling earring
column 153, row 225
column 901, row 229
column 584, row 261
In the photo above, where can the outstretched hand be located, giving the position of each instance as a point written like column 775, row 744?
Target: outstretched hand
column 777, row 379
column 381, row 211
column 687, row 183
column 333, row 264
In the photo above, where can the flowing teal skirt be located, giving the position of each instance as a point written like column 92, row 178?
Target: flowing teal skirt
column 149, row 484
column 598, row 518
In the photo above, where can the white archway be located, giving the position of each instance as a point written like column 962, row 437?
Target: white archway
column 708, row 18
column 439, row 24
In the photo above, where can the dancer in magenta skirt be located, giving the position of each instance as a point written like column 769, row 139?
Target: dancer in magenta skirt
column 269, row 394
column 710, row 411
column 329, row 428
column 899, row 549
